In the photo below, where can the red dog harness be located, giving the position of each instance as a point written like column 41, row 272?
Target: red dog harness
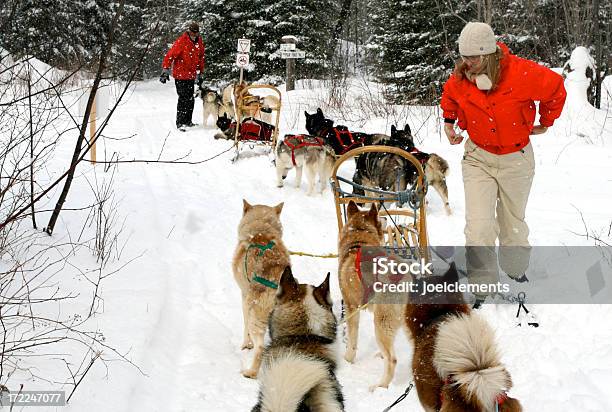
column 297, row 141
column 346, row 139
column 422, row 157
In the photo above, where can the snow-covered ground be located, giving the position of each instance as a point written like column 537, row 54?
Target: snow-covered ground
column 175, row 310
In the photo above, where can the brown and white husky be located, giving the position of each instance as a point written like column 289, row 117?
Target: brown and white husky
column 456, row 364
column 259, row 261
column 363, row 228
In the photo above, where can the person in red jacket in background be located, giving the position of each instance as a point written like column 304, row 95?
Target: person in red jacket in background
column 186, row 57
column 491, row 94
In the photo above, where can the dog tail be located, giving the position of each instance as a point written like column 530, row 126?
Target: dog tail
column 440, row 164
column 466, row 354
column 286, row 381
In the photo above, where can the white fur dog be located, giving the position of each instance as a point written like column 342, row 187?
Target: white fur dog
column 300, row 152
column 212, row 106
column 227, row 102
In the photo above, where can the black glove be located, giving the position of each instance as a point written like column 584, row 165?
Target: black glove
column 200, row 79
column 165, row 76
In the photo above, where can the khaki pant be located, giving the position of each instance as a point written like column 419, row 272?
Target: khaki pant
column 496, row 192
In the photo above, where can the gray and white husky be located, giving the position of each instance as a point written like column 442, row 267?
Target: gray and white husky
column 316, row 159
column 298, row 370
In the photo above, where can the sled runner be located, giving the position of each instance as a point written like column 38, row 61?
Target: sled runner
column 257, row 117
column 405, row 227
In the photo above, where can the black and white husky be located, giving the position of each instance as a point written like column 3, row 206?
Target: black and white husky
column 299, row 364
column 304, row 152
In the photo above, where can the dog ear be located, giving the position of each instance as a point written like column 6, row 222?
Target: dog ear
column 306, row 114
column 407, row 128
column 352, row 208
column 319, row 111
column 393, row 129
column 373, row 213
column 321, row 293
column 451, row 275
column 287, row 285
column 245, row 207
column 279, row 208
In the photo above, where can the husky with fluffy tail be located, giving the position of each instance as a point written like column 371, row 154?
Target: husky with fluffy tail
column 298, row 370
column 456, row 363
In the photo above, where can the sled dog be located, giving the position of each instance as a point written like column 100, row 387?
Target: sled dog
column 227, row 127
column 391, row 172
column 456, row 364
column 339, row 137
column 227, row 102
column 299, row 363
column 212, row 106
column 304, row 151
column 363, row 228
column 259, row 260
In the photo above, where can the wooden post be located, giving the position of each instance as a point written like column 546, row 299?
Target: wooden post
column 290, row 64
column 92, row 130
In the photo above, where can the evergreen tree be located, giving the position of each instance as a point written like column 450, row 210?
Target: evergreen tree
column 144, row 22
column 221, row 25
column 264, row 22
column 63, row 33
column 415, row 44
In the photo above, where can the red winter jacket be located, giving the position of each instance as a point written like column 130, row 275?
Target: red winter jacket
column 185, row 56
column 500, row 121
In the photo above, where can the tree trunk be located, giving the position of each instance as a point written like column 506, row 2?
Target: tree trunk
column 31, row 145
column 598, row 54
column 344, row 13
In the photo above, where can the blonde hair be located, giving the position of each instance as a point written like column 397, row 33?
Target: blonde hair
column 490, row 65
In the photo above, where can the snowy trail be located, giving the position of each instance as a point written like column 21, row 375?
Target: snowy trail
column 177, row 309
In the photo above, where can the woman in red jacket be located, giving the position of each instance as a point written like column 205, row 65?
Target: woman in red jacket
column 492, row 95
column 186, row 57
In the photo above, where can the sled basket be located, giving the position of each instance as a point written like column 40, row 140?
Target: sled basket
column 251, row 127
column 403, row 227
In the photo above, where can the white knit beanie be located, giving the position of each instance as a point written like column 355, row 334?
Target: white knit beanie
column 477, row 39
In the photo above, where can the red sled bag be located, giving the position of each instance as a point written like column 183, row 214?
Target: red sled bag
column 253, row 129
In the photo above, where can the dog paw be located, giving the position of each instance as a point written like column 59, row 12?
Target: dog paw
column 372, row 388
column 379, row 355
column 247, row 345
column 250, row 373
column 349, row 356
column 279, row 185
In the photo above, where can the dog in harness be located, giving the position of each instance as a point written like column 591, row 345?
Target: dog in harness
column 456, row 363
column 250, row 129
column 391, row 172
column 339, row 137
column 299, row 151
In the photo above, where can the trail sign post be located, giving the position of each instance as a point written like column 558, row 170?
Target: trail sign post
column 289, row 51
column 242, row 57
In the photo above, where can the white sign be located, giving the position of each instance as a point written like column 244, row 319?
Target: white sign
column 244, row 46
column 242, row 59
column 287, row 46
column 297, row 54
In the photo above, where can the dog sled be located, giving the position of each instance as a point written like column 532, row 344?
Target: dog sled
column 257, row 117
column 404, row 227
